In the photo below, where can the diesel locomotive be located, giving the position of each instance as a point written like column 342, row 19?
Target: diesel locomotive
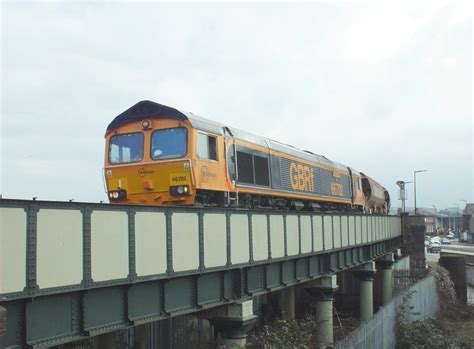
column 158, row 155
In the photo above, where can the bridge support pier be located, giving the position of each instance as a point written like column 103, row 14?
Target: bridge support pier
column 286, row 301
column 386, row 264
column 323, row 289
column 365, row 274
column 233, row 322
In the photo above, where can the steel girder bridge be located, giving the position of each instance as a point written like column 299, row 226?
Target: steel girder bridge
column 69, row 271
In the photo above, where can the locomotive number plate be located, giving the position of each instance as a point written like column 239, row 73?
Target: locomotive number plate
column 179, row 178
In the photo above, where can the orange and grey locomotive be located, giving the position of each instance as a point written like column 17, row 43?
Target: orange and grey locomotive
column 158, row 155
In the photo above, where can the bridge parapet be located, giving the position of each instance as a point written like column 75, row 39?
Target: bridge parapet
column 48, row 247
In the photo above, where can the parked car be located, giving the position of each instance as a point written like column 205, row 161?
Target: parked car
column 434, row 247
column 445, row 242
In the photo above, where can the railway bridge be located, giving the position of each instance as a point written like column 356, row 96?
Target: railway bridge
column 70, row 270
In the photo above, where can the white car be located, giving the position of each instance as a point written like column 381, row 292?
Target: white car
column 434, row 247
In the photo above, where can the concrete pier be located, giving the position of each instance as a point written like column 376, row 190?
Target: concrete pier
column 386, row 266
column 233, row 323
column 365, row 274
column 324, row 289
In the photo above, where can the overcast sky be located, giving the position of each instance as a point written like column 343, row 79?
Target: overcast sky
column 383, row 87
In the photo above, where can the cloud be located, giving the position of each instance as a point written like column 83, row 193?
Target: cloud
column 385, row 88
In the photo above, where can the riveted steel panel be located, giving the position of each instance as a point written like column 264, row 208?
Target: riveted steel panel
column 370, row 232
column 318, row 233
column 179, row 295
column 12, row 250
column 272, row 275
column 341, row 259
column 150, row 243
column 229, row 284
column 255, row 279
column 358, row 224
column 144, row 301
column 302, row 269
column 380, row 228
column 239, row 233
column 15, row 325
column 292, row 235
column 209, row 288
column 185, row 236
column 364, row 229
column 348, row 258
column 328, row 233
column 259, row 237
column 109, row 245
column 277, row 234
column 288, row 271
column 314, row 266
column 104, row 309
column 306, row 234
column 333, row 261
column 59, row 238
column 336, row 222
column 63, row 315
column 345, row 231
column 352, row 231
column 215, row 240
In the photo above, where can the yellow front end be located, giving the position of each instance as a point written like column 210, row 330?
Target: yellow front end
column 165, row 183
column 148, row 162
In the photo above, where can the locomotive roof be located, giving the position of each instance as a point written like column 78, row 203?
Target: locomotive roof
column 148, row 109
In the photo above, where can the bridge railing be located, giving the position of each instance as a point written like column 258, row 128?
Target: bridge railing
column 49, row 247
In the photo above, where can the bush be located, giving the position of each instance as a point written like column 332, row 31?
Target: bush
column 283, row 334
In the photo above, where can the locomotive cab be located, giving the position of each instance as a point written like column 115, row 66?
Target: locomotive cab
column 156, row 156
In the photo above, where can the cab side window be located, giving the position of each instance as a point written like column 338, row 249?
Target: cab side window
column 206, row 147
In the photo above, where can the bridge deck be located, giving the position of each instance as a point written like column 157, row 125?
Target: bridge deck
column 91, row 267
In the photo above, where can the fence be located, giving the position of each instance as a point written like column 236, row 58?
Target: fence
column 380, row 331
column 404, row 278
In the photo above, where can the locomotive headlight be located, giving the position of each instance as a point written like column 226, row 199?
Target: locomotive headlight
column 146, row 124
column 179, row 190
column 117, row 194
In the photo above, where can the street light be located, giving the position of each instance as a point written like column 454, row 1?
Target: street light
column 402, row 193
column 414, row 181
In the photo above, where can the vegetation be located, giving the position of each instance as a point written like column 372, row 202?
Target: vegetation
column 283, row 334
column 443, row 332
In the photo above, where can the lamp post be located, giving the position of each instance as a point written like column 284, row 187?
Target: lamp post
column 414, row 183
column 402, row 193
